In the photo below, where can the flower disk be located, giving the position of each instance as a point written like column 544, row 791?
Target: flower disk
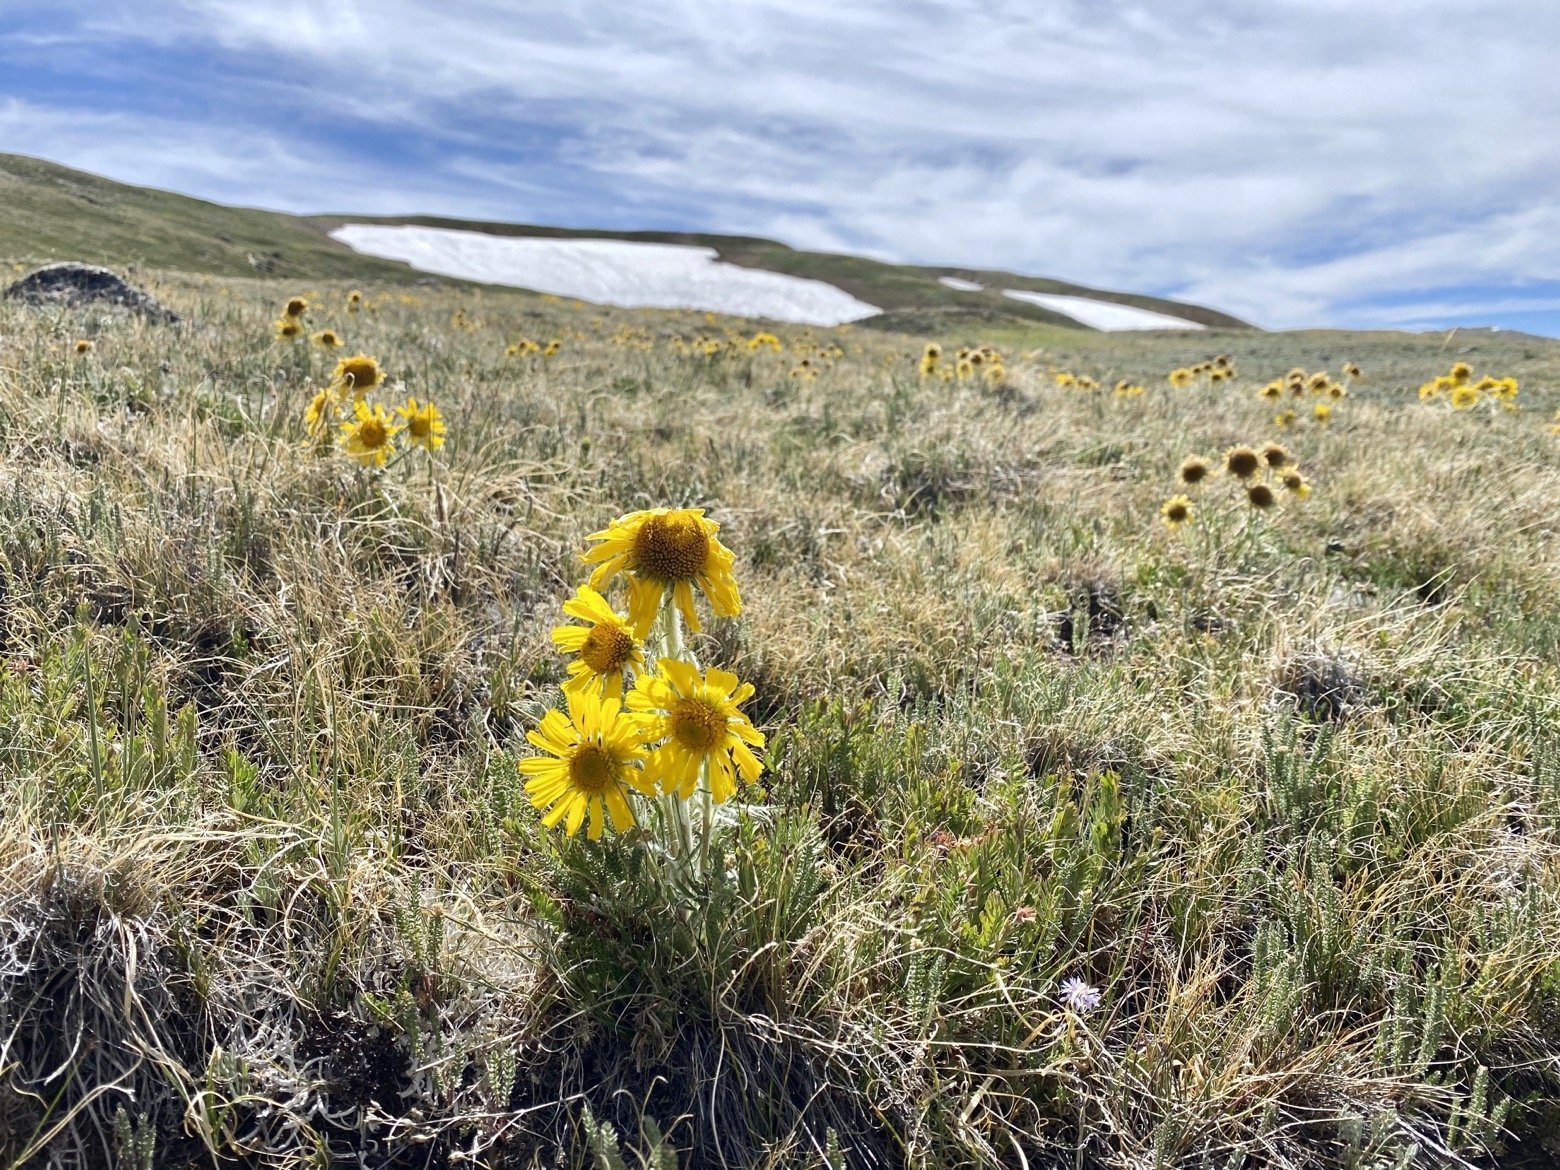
column 1242, row 462
column 1176, row 511
column 695, row 720
column 596, row 761
column 666, row 550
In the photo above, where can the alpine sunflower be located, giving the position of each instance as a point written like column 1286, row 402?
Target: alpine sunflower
column 665, row 550
column 595, row 757
column 695, row 719
column 1176, row 511
column 1195, row 469
column 358, row 373
column 1242, row 462
column 1260, row 496
column 424, row 424
column 603, row 650
column 329, row 338
column 369, row 436
column 1276, row 456
column 295, row 307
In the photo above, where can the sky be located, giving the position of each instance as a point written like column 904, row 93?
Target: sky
column 1368, row 163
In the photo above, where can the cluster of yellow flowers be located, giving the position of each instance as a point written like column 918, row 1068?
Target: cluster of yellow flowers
column 1070, row 381
column 525, row 347
column 1261, row 473
column 677, row 731
column 289, row 326
column 1464, row 393
column 977, row 361
column 1216, row 370
column 1320, row 385
column 367, row 431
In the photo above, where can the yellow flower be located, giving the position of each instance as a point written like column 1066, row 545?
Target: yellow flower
column 594, row 759
column 358, row 373
column 695, row 720
column 1430, row 390
column 1460, row 372
column 1465, row 397
column 1323, row 412
column 296, row 307
column 1272, row 391
column 288, row 329
column 1352, row 370
column 551, row 348
column 1065, row 379
column 83, row 346
column 665, row 550
column 328, row 338
column 317, row 415
column 1260, row 496
column 1284, row 418
column 1296, row 483
column 603, row 650
column 424, row 423
column 1195, row 469
column 1181, row 377
column 1504, row 389
column 369, row 436
column 1176, row 511
column 1276, row 456
column 354, row 301
column 1242, row 462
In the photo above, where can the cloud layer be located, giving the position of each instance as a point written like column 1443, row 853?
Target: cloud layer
column 1298, row 163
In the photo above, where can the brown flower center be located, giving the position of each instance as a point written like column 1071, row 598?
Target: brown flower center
column 591, row 768
column 698, row 725
column 672, row 547
column 1242, row 462
column 607, row 649
column 420, row 424
column 371, row 433
column 359, row 375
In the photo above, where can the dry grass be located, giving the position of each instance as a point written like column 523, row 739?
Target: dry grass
column 1285, row 789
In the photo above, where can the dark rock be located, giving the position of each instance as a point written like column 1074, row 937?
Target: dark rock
column 80, row 284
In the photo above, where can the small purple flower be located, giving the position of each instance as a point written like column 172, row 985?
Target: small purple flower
column 1077, row 996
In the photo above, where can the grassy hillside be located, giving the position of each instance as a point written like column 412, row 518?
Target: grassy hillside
column 55, row 213
column 1080, row 840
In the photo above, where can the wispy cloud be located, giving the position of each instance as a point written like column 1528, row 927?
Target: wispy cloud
column 1299, row 162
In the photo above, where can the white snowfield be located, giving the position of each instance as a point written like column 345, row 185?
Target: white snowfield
column 610, row 272
column 1105, row 315
column 958, row 285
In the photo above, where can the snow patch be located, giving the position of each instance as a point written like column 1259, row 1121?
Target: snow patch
column 958, row 285
column 610, row 272
column 1106, row 315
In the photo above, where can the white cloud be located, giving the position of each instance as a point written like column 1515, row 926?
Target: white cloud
column 1283, row 160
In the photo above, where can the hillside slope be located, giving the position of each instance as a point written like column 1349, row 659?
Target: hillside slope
column 53, row 212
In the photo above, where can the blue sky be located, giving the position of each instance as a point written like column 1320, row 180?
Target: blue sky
column 1298, row 162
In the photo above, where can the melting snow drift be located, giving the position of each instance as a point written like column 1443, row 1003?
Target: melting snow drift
column 958, row 285
column 1106, row 315
column 611, row 272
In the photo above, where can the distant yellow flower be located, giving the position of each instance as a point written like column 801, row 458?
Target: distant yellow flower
column 1273, row 391
column 1242, row 462
column 369, row 436
column 594, row 759
column 1261, row 497
column 1065, row 379
column 1430, row 390
column 1504, row 389
column 965, row 368
column 1319, row 382
column 317, row 415
column 1195, row 469
column 1465, row 397
column 695, row 720
column 288, row 329
column 328, row 338
column 1337, row 390
column 1460, row 372
column 1352, row 370
column 928, row 366
column 1218, row 375
column 1276, row 456
column 1176, row 511
column 666, row 550
column 1296, row 484
column 354, row 301
column 603, row 650
column 296, row 307
column 83, row 346
column 933, row 351
column 424, row 424
column 1284, row 418
column 1182, row 377
column 1323, row 412
column 358, row 373
column 551, row 348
